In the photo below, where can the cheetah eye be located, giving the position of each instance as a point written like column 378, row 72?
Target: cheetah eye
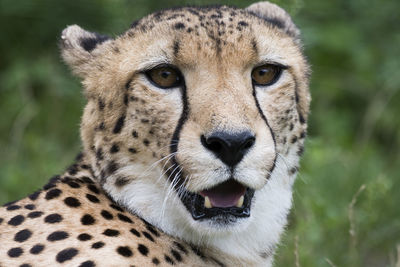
column 165, row 77
column 266, row 74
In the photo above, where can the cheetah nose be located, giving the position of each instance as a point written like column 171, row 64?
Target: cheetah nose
column 229, row 147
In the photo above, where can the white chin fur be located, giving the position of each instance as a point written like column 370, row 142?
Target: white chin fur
column 151, row 198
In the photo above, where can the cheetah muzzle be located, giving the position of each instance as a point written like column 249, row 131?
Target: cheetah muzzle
column 192, row 133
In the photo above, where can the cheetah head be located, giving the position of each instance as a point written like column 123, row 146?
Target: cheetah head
column 196, row 119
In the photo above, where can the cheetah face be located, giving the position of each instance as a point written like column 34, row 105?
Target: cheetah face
column 196, row 116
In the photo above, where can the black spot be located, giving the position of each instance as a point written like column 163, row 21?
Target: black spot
column 73, row 184
column 16, row 220
column 15, row 252
column 119, row 124
column 72, row 202
column 106, row 215
column 114, row 148
column 124, row 218
column 72, row 170
column 291, row 126
column 30, row 207
column 152, row 229
column 198, row 252
column 84, row 237
column 52, row 182
column 36, row 249
column 53, row 218
column 176, row 48
column 125, row 251
column 155, row 261
column 292, row 170
column 145, row 120
column 66, row 254
column 301, row 119
column 121, row 181
column 146, row 142
column 135, row 134
column 25, row 265
column 302, row 134
column 22, row 235
column 180, row 247
column 92, row 198
column 90, row 43
column 132, row 150
column 87, row 219
column 98, row 245
column 176, row 255
column 87, row 264
column 94, row 189
column 148, row 236
column 300, row 152
column 179, row 26
column 101, row 104
column 99, row 154
column 34, row 196
column 111, row 232
column 87, row 180
column 126, row 99
column 13, row 207
column 112, row 167
column 57, row 236
column 101, row 126
column 143, row 250
column 53, row 193
column 169, row 260
column 116, row 207
column 135, row 232
column 294, row 139
column 1, row 220
column 243, row 23
column 35, row 214
column 84, row 166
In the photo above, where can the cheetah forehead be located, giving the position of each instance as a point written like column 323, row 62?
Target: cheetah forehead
column 218, row 31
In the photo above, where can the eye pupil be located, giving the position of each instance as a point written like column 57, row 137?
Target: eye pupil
column 165, row 74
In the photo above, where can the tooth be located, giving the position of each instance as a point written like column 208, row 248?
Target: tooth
column 207, row 203
column 239, row 204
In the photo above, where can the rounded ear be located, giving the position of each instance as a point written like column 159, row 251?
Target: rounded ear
column 78, row 48
column 276, row 16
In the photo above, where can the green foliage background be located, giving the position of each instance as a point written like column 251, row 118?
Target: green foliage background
column 354, row 134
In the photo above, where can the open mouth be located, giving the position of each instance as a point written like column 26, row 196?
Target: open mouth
column 229, row 198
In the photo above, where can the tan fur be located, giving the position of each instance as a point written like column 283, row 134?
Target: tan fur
column 128, row 125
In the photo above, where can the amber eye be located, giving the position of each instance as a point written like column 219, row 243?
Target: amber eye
column 266, row 74
column 165, row 77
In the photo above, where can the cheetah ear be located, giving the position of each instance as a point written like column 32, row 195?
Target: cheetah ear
column 80, row 48
column 276, row 16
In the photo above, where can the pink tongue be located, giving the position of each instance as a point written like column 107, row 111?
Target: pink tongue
column 224, row 195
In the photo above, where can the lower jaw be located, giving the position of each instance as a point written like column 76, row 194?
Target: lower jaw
column 194, row 203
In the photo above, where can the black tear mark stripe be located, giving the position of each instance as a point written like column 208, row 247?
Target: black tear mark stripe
column 175, row 138
column 266, row 122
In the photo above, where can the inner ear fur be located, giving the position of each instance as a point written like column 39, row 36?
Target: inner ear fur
column 80, row 48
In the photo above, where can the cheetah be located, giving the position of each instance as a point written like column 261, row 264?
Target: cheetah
column 192, row 133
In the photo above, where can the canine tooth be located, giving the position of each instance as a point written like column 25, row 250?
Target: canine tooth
column 239, row 204
column 207, row 203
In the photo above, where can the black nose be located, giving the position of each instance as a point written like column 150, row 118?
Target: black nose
column 229, row 147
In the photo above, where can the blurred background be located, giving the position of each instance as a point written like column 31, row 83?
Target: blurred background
column 347, row 196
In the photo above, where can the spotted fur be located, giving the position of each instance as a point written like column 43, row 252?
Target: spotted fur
column 118, row 204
